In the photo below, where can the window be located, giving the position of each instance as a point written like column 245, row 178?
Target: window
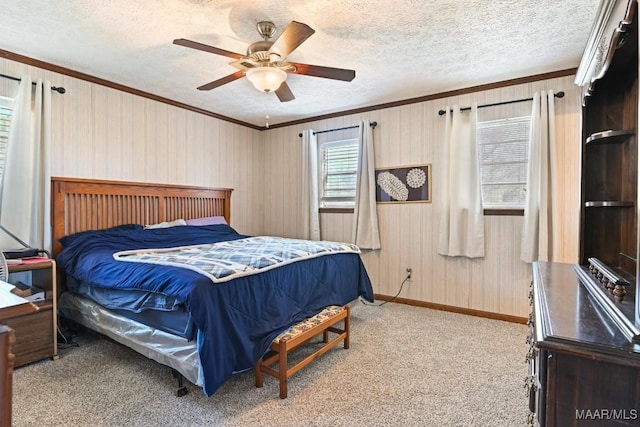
column 6, row 109
column 338, row 168
column 503, row 148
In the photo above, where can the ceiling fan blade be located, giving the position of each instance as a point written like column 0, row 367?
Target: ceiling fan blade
column 325, row 72
column 284, row 93
column 224, row 80
column 291, row 38
column 207, row 48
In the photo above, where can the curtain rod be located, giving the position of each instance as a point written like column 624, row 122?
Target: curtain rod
column 372, row 124
column 17, row 79
column 557, row 95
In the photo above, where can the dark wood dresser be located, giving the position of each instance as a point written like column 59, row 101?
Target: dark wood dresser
column 584, row 369
column 585, row 324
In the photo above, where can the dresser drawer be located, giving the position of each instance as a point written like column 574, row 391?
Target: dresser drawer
column 34, row 336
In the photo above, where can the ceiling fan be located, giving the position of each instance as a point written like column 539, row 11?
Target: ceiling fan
column 264, row 64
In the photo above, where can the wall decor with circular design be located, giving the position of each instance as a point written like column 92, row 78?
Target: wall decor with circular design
column 404, row 184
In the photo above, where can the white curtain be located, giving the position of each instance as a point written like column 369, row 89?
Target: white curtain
column 462, row 220
column 365, row 219
column 310, row 198
column 538, row 226
column 25, row 198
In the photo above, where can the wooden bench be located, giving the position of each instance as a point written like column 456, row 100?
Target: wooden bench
column 300, row 333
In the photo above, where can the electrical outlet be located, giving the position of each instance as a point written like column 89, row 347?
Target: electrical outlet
column 409, row 271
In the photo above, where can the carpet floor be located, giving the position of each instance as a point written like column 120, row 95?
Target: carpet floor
column 407, row 366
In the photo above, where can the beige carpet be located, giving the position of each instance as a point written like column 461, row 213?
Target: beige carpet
column 407, row 366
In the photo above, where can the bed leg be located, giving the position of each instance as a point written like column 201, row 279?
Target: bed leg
column 182, row 389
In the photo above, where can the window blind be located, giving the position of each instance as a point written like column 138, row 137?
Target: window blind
column 5, row 124
column 338, row 168
column 503, row 150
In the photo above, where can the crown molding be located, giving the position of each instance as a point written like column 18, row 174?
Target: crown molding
column 93, row 79
column 97, row 80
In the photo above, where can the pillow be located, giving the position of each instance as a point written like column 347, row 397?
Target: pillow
column 166, row 224
column 208, row 220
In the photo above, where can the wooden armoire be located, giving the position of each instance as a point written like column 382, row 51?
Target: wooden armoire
column 584, row 358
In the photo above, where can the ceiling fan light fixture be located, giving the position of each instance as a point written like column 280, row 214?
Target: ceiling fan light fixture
column 266, row 79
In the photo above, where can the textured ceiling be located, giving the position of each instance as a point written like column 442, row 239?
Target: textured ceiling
column 399, row 49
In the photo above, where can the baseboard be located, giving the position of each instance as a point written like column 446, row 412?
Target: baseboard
column 454, row 309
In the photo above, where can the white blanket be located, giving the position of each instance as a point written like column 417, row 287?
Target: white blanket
column 224, row 261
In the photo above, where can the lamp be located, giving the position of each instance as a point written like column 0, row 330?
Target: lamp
column 266, row 79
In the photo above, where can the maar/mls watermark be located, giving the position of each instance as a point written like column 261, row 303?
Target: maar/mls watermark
column 606, row 414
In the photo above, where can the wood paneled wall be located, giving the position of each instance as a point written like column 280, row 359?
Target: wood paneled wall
column 99, row 132
column 413, row 134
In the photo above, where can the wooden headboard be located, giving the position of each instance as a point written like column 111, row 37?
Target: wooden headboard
column 87, row 204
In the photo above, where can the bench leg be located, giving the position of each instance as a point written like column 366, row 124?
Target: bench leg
column 347, row 327
column 282, row 369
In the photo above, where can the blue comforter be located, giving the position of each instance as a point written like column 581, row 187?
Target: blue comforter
column 236, row 320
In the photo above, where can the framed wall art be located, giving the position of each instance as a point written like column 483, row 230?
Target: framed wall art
column 404, row 184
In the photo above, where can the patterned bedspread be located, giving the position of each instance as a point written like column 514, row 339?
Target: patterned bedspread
column 224, row 261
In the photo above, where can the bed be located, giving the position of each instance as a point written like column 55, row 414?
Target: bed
column 206, row 327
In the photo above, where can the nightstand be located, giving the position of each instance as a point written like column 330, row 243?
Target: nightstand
column 36, row 333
